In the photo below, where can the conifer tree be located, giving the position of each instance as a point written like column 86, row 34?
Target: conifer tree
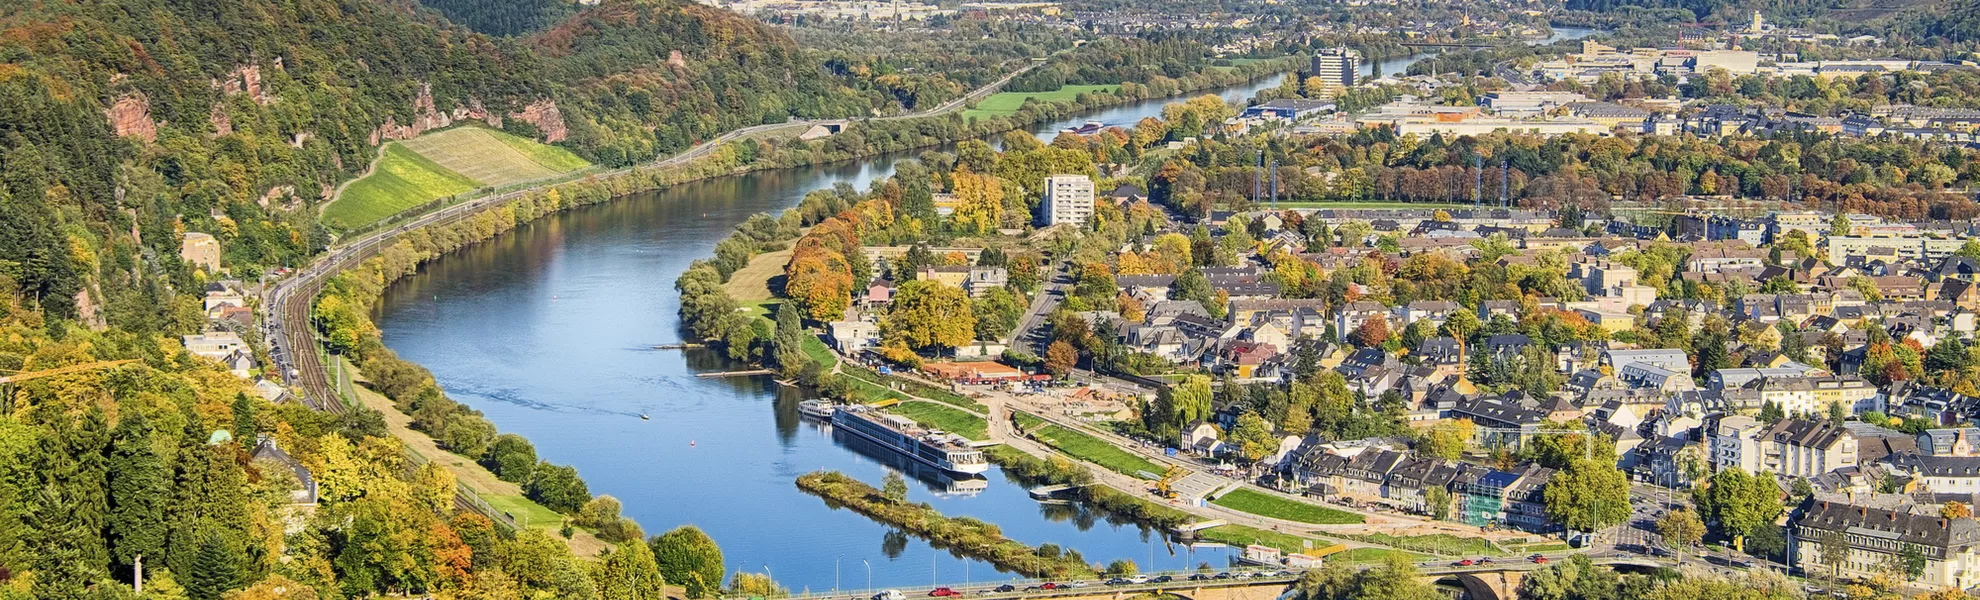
column 216, row 569
column 139, row 490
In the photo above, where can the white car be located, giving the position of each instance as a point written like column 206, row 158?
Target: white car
column 890, row 595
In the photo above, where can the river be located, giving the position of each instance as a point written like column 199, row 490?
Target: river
column 549, row 330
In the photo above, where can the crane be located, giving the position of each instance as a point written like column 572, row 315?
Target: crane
column 6, row 405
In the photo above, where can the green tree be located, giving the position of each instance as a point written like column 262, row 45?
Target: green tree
column 1253, row 436
column 689, row 558
column 216, row 570
column 894, row 488
column 558, row 488
column 512, row 458
column 1590, row 495
column 1191, row 400
column 629, row 571
column 1681, row 528
column 1839, row 225
column 927, row 314
column 1739, row 503
column 245, row 429
column 139, row 489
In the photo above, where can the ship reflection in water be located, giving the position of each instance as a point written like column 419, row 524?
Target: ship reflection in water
column 940, row 482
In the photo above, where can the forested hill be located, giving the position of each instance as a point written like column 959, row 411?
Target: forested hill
column 236, row 118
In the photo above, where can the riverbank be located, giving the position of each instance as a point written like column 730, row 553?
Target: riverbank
column 961, row 534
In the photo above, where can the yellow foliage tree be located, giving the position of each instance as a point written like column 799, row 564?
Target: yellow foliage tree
column 979, row 201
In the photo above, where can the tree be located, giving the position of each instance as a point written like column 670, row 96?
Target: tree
column 1589, row 495
column 689, row 558
column 1060, row 358
column 1839, row 225
column 140, row 488
column 1739, row 503
column 1837, row 414
column 245, row 430
column 1372, row 332
column 1447, row 439
column 558, row 488
column 216, row 569
column 894, row 488
column 1253, row 437
column 1191, row 400
column 1461, row 325
column 630, row 572
column 929, row 314
column 1681, row 528
column 1955, row 510
column 979, row 202
column 511, row 457
column 1833, row 550
column 1439, row 501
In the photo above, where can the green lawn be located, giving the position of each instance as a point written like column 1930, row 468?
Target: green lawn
column 1005, row 103
column 526, row 512
column 944, row 418
column 1368, row 555
column 403, row 179
column 1440, row 543
column 1260, row 503
column 1097, row 451
column 815, row 349
column 1240, row 536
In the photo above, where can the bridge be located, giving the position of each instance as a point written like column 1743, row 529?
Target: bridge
column 1490, row 581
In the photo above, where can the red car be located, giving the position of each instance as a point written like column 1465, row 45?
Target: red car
column 941, row 592
column 1462, row 563
column 1048, row 586
column 1539, row 560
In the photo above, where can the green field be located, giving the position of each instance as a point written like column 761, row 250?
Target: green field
column 1096, row 451
column 944, row 418
column 1259, row 503
column 526, row 512
column 442, row 164
column 1438, row 543
column 1005, row 103
column 402, row 179
column 1241, row 536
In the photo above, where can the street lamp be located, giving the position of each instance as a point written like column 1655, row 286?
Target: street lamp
column 869, row 576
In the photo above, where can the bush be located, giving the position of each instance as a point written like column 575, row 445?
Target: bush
column 558, row 488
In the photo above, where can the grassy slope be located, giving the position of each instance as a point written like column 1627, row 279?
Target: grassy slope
column 403, row 179
column 435, row 165
column 1257, row 503
column 1096, row 451
column 1004, row 103
column 944, row 418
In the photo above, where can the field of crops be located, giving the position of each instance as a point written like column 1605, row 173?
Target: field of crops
column 442, row 164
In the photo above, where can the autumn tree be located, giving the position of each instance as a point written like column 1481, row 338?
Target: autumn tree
column 1253, row 437
column 979, row 202
column 1060, row 358
column 1372, row 332
column 928, row 314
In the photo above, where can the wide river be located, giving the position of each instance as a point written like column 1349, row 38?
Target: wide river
column 550, row 329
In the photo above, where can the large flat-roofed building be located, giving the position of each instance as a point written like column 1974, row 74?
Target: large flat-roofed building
column 1068, row 199
column 1528, row 104
column 1336, row 68
column 1915, row 246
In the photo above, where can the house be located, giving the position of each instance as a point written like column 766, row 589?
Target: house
column 879, row 293
column 1806, row 448
column 1938, row 474
column 852, row 337
column 224, row 347
column 1876, row 536
column 1670, row 359
column 1961, row 441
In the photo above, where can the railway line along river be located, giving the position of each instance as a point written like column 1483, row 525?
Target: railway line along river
column 550, row 331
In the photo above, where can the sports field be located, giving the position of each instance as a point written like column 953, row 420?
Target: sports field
column 1005, row 103
column 441, row 164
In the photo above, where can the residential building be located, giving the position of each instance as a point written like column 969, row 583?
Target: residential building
column 1068, row 199
column 1877, row 536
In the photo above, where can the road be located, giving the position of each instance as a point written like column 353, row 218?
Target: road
column 1031, row 330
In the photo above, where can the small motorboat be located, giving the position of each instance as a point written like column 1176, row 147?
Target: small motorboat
column 643, row 417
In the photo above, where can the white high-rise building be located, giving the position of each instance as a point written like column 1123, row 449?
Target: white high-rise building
column 1336, row 68
column 1068, row 199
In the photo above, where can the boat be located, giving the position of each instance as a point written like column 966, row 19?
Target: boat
column 817, row 408
column 941, row 483
column 946, row 451
column 1089, row 128
column 643, row 417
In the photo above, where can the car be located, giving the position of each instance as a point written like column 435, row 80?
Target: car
column 1006, row 588
column 1284, row 573
column 890, row 595
column 1539, row 560
column 1462, row 563
column 1076, row 584
column 943, row 592
column 1163, row 579
column 1049, row 586
column 1117, row 581
column 1198, row 577
column 1485, row 561
column 1224, row 575
column 1137, row 579
column 1033, row 588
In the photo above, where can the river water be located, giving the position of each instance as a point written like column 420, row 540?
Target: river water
column 549, row 331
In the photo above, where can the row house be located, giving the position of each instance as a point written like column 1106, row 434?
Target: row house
column 1876, row 536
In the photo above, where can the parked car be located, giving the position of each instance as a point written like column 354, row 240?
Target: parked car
column 943, row 592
